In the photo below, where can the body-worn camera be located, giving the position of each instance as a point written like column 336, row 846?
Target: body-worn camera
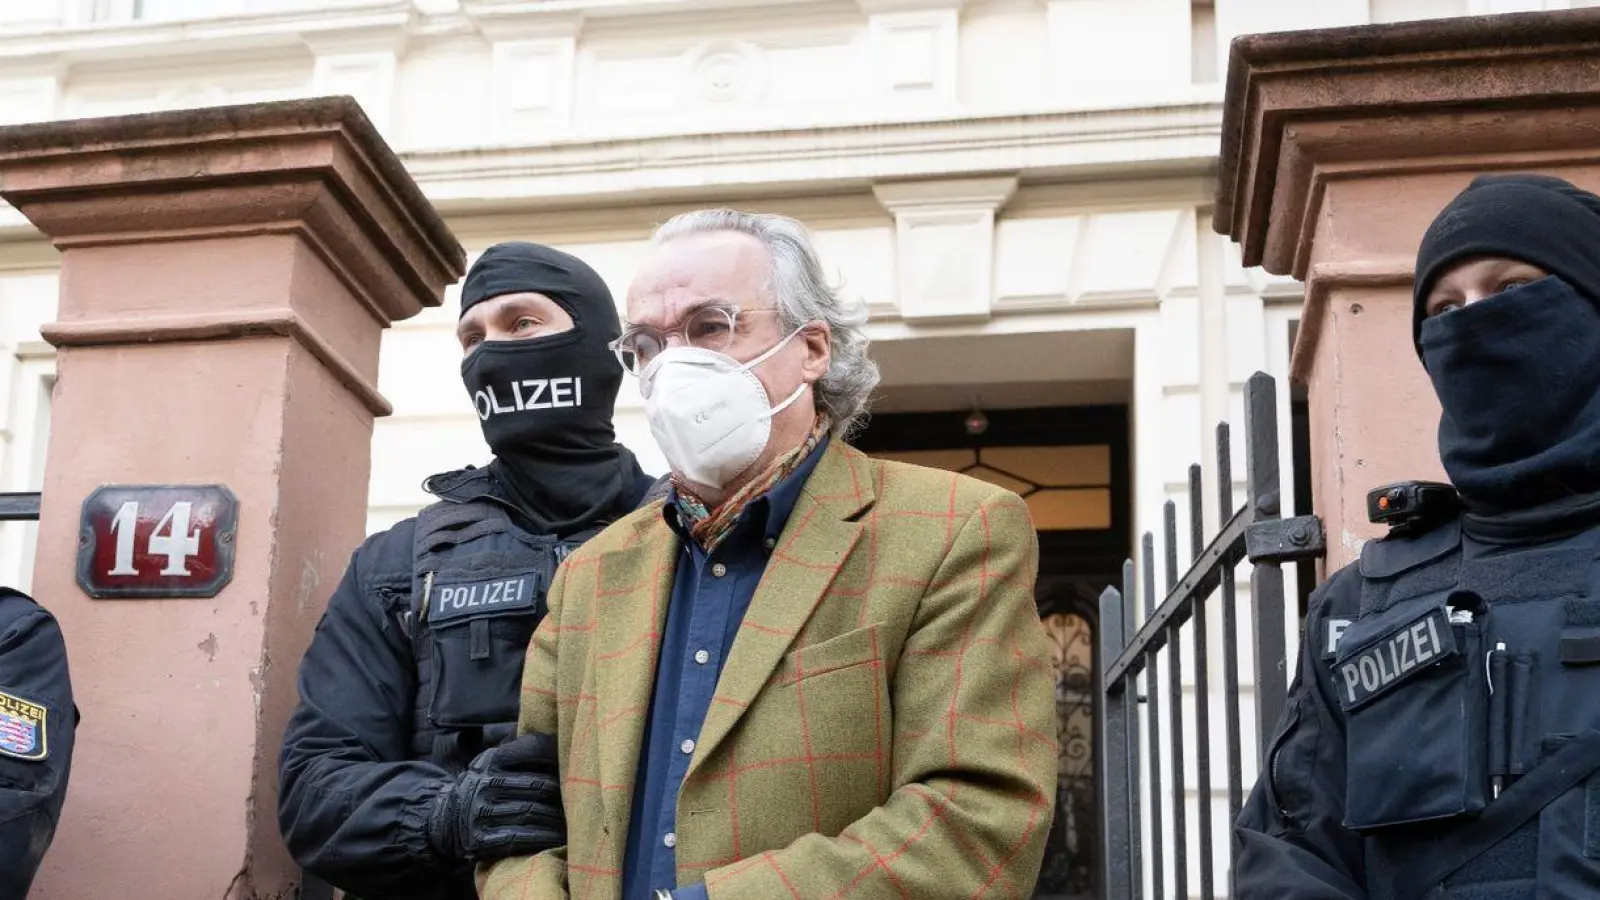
column 1412, row 506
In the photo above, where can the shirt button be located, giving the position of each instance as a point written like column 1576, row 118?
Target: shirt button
column 771, row 542
column 671, row 840
column 687, row 746
column 702, row 657
column 718, row 570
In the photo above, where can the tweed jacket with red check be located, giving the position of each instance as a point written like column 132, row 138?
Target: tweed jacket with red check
column 884, row 725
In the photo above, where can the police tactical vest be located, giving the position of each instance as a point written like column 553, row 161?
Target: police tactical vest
column 1469, row 665
column 478, row 591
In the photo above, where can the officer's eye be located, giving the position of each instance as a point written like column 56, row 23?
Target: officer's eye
column 470, row 341
column 1511, row 283
column 524, row 323
column 1444, row 306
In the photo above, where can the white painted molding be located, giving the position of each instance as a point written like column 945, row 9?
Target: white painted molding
column 533, row 87
column 125, row 38
column 944, row 245
column 914, row 56
column 29, row 98
column 379, row 34
column 1174, row 145
column 724, row 74
column 485, row 10
column 1165, row 140
column 35, row 350
column 368, row 76
column 932, row 196
column 134, row 41
column 879, row 7
column 502, row 21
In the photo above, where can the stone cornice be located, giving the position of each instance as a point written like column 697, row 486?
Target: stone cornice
column 1155, row 139
column 1129, row 145
column 316, row 169
column 1305, row 108
column 227, row 324
column 1326, row 278
column 377, row 22
column 491, row 15
column 880, row 7
column 363, row 21
column 944, row 194
column 73, row 179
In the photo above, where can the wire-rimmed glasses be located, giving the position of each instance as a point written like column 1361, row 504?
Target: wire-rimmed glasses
column 708, row 327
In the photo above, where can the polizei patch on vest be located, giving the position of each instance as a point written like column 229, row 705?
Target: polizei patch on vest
column 1394, row 658
column 22, row 728
column 472, row 599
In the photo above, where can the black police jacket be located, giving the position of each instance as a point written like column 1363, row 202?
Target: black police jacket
column 1436, row 672
column 381, row 729
column 37, row 724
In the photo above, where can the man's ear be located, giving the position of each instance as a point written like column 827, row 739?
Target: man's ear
column 818, row 354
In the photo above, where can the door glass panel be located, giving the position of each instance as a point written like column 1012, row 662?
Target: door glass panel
column 984, row 473
column 953, row 460
column 1068, row 487
column 1058, row 466
column 1082, row 509
column 1070, row 852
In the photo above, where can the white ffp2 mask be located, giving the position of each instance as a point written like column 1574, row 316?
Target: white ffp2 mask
column 709, row 412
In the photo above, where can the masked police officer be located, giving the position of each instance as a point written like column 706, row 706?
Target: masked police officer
column 1440, row 737
column 37, row 724
column 400, row 768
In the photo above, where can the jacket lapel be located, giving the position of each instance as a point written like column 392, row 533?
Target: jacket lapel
column 816, row 540
column 632, row 586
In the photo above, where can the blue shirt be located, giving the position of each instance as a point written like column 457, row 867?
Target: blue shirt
column 710, row 594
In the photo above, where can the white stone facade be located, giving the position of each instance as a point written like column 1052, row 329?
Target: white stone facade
column 1019, row 188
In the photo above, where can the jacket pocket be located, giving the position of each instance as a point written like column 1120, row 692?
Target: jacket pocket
column 1288, row 797
column 480, row 633
column 1413, row 690
column 853, row 648
column 1569, row 832
column 817, row 745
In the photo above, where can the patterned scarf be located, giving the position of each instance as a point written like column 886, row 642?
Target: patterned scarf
column 709, row 526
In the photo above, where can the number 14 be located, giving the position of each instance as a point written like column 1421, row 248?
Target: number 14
column 177, row 545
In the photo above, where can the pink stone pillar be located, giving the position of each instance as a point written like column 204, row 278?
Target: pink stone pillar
column 1339, row 147
column 226, row 275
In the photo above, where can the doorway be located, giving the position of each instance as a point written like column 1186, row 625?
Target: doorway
column 1071, row 465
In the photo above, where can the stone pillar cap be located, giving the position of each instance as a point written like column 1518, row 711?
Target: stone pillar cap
column 313, row 166
column 1437, row 95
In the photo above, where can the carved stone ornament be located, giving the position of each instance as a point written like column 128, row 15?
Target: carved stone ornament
column 726, row 73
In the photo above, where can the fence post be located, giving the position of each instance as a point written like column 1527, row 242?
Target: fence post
column 1257, row 531
column 1266, row 578
column 1114, row 755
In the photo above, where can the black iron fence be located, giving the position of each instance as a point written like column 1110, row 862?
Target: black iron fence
column 19, row 507
column 1255, row 531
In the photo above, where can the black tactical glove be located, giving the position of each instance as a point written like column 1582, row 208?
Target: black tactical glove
column 507, row 803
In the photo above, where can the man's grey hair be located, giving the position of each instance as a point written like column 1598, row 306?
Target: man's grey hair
column 803, row 294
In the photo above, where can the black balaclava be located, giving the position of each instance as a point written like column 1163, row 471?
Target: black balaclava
column 1517, row 374
column 545, row 403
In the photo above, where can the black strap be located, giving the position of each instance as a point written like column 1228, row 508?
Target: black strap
column 1521, row 802
column 446, row 524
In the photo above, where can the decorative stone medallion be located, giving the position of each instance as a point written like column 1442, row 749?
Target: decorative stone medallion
column 726, row 73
